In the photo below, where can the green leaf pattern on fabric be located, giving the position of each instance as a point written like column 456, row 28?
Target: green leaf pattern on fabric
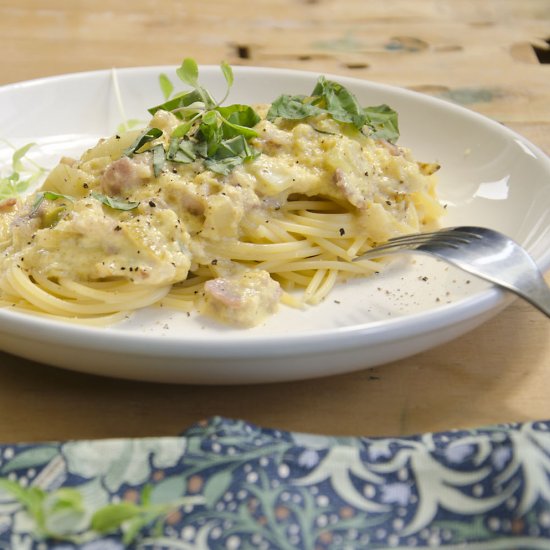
column 119, row 461
column 229, row 484
column 31, row 458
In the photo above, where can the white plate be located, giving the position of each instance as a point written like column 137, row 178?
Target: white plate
column 490, row 176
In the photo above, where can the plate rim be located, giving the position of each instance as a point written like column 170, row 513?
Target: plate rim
column 478, row 304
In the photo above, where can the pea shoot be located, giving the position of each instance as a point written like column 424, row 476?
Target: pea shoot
column 64, row 514
column 217, row 135
column 24, row 173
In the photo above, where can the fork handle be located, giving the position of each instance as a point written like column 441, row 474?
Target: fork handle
column 538, row 295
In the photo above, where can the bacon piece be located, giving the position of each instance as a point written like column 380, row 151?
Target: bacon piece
column 392, row 148
column 7, row 204
column 225, row 292
column 350, row 192
column 120, row 177
column 244, row 299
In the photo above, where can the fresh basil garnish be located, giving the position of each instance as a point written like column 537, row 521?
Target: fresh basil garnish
column 294, row 107
column 49, row 195
column 159, row 159
column 219, row 135
column 115, row 204
column 383, row 122
column 229, row 154
column 181, row 151
column 207, row 129
column 150, row 134
column 335, row 100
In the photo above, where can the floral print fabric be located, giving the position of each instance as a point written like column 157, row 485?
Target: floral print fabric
column 249, row 487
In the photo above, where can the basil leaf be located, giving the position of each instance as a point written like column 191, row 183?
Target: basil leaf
column 186, row 148
column 231, row 130
column 239, row 119
column 210, row 130
column 173, row 147
column 223, row 166
column 181, row 151
column 243, row 115
column 332, row 98
column 115, row 204
column 49, row 195
column 52, row 196
column 183, row 129
column 327, row 97
column 383, row 121
column 180, row 101
column 201, row 148
column 339, row 102
column 292, row 108
column 159, row 159
column 147, row 136
column 230, row 153
column 233, row 147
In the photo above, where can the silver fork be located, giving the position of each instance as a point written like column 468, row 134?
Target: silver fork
column 483, row 252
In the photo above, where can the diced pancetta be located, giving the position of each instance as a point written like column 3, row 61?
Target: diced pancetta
column 120, row 177
column 244, row 299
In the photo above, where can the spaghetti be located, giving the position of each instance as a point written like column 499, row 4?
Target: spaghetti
column 128, row 227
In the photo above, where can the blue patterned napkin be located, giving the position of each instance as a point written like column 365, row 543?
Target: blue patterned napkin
column 229, row 484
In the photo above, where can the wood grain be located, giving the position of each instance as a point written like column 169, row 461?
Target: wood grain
column 478, row 54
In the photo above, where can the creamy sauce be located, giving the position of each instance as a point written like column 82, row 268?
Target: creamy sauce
column 187, row 215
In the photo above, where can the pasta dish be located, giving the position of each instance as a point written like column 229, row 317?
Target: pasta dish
column 229, row 211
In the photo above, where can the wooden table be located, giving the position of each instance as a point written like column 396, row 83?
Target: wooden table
column 476, row 53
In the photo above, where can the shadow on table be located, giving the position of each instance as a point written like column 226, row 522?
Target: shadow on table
column 481, row 378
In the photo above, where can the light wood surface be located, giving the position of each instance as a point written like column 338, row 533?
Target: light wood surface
column 477, row 53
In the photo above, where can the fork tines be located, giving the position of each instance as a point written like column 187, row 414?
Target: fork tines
column 451, row 237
